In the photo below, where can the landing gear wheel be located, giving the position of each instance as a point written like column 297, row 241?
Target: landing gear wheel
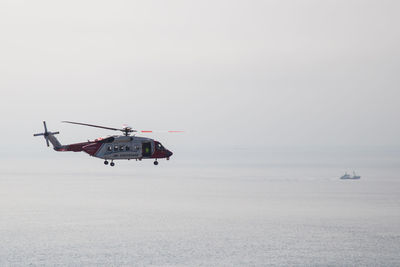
column 156, row 162
column 112, row 164
column 106, row 162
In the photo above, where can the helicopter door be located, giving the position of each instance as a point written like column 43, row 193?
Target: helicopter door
column 146, row 150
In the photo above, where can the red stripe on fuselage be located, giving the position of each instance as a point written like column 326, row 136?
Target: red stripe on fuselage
column 92, row 149
column 78, row 147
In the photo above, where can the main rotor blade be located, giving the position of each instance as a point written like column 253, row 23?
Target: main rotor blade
column 92, row 125
column 38, row 134
column 45, row 127
column 47, row 141
column 150, row 131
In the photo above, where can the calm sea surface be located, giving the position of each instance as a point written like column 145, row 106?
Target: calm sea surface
column 135, row 214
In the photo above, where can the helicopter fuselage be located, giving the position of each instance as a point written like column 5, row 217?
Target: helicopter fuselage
column 120, row 147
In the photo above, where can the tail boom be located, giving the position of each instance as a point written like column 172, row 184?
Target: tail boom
column 90, row 147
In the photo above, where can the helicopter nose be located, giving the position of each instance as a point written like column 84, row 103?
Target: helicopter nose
column 169, row 153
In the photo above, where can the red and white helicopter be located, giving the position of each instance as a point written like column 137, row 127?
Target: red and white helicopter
column 114, row 147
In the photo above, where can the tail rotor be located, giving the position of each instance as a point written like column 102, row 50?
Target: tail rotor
column 46, row 134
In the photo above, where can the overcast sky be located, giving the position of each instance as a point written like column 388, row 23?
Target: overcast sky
column 231, row 72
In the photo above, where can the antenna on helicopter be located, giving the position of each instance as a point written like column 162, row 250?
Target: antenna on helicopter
column 46, row 134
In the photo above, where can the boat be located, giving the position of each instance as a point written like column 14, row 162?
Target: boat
column 347, row 176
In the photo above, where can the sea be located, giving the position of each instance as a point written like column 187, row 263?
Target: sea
column 282, row 209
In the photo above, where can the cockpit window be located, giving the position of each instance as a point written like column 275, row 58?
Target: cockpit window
column 159, row 147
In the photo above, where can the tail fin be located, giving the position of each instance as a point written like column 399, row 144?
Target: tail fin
column 49, row 136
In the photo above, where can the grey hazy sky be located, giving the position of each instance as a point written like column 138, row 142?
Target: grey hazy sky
column 236, row 72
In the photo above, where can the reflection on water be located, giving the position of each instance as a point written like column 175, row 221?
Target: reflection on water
column 189, row 215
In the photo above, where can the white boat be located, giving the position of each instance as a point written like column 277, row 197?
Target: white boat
column 348, row 176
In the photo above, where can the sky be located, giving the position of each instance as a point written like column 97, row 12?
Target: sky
column 230, row 73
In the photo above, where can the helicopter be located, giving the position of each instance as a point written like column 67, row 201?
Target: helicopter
column 115, row 147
